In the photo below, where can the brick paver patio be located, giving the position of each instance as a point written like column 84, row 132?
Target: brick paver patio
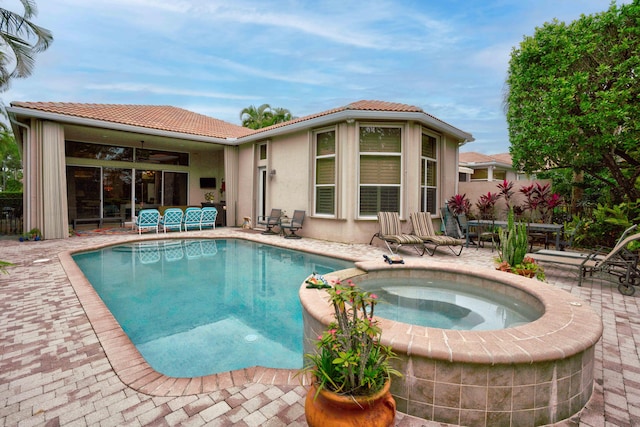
column 54, row 370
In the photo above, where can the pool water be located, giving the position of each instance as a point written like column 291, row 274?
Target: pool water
column 200, row 307
column 447, row 305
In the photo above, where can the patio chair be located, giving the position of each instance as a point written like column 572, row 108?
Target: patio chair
column 172, row 218
column 618, row 262
column 470, row 236
column 294, row 225
column 209, row 216
column 490, row 234
column 423, row 228
column 582, row 255
column 147, row 219
column 273, row 220
column 391, row 234
column 191, row 219
column 451, row 227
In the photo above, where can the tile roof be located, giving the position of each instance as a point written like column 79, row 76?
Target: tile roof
column 362, row 105
column 173, row 119
column 162, row 117
column 473, row 157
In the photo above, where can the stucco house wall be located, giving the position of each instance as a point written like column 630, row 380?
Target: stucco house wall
column 226, row 151
column 292, row 186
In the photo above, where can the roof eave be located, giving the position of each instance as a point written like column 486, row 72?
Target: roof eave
column 82, row 121
column 344, row 115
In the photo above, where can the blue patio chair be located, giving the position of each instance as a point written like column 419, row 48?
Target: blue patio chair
column 192, row 218
column 172, row 218
column 209, row 215
column 147, row 219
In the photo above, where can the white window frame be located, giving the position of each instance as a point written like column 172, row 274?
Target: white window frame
column 424, row 162
column 317, row 157
column 378, row 154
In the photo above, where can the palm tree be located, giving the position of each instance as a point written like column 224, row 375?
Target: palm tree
column 263, row 116
column 281, row 115
column 256, row 118
column 15, row 47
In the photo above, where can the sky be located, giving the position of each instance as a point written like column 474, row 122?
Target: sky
column 449, row 58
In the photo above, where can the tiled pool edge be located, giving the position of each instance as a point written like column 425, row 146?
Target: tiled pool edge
column 132, row 368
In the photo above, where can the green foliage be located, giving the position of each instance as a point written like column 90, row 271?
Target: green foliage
column 350, row 358
column 513, row 242
column 11, row 172
column 263, row 116
column 20, row 40
column 3, row 266
column 572, row 99
column 606, row 224
column 513, row 248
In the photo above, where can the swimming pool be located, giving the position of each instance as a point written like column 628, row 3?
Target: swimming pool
column 198, row 307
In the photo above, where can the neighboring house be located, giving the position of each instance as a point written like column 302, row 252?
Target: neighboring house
column 341, row 166
column 479, row 174
column 488, row 167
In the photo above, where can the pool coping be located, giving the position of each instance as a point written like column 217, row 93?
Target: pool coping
column 568, row 325
column 131, row 367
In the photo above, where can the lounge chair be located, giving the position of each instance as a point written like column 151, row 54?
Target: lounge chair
column 191, row 219
column 582, row 255
column 209, row 216
column 147, row 219
column 273, row 220
column 172, row 218
column 294, row 225
column 423, row 228
column 619, row 263
column 391, row 234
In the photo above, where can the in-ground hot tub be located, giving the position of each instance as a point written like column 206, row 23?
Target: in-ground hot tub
column 532, row 374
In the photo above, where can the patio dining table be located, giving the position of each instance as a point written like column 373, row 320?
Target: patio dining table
column 531, row 227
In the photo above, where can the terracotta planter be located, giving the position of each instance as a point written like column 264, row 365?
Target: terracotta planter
column 331, row 409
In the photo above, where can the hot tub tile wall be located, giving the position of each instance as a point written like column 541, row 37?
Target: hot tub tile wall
column 472, row 394
column 532, row 374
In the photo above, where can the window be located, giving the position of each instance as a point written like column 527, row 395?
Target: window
column 325, row 178
column 263, row 151
column 480, row 175
column 429, row 174
column 380, row 167
column 85, row 150
column 499, row 175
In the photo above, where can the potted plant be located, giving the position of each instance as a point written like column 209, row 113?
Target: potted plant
column 351, row 369
column 513, row 248
column 210, row 196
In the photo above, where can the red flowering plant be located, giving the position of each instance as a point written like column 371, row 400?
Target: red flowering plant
column 350, row 359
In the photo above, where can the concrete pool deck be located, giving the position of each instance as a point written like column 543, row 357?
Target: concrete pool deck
column 54, row 369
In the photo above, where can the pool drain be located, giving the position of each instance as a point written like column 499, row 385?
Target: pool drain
column 250, row 338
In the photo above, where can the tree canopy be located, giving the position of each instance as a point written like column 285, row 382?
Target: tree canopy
column 20, row 40
column 263, row 116
column 573, row 98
